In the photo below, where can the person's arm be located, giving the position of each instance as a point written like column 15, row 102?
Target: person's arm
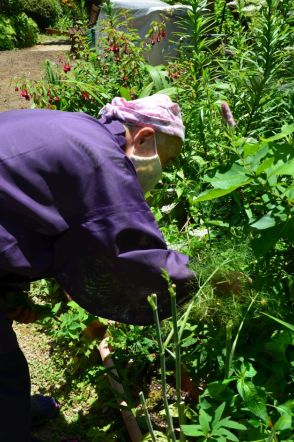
column 111, row 263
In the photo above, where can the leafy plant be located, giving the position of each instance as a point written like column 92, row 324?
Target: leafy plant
column 214, row 428
column 7, row 33
column 43, row 12
column 26, row 30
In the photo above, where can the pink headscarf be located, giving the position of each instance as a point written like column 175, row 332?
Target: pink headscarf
column 156, row 111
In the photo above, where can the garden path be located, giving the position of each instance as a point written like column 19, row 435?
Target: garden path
column 25, row 64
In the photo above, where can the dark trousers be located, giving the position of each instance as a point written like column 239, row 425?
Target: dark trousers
column 14, row 387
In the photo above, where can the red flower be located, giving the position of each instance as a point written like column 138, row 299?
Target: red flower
column 25, row 94
column 16, row 89
column 152, row 41
column 56, row 99
column 66, row 67
column 163, row 33
column 85, row 96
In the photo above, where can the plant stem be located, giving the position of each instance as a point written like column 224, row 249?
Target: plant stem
column 232, row 352
column 228, row 346
column 177, row 341
column 147, row 417
column 184, row 318
column 153, row 302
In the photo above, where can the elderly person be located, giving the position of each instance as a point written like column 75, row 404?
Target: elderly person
column 73, row 208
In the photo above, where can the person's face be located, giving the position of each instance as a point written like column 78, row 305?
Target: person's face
column 144, row 141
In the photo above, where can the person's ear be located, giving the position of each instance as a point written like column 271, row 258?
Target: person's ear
column 144, row 144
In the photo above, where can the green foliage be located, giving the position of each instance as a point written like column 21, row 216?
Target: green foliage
column 263, row 171
column 10, row 7
column 227, row 202
column 26, row 29
column 18, row 31
column 7, row 33
column 214, row 428
column 43, row 12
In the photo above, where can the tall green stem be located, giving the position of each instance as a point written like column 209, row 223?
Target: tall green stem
column 153, row 302
column 177, row 341
column 147, row 417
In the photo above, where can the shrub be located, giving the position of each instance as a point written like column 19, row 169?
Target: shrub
column 26, row 31
column 43, row 12
column 10, row 7
column 7, row 33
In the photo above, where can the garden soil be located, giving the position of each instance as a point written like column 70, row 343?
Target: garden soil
column 26, row 64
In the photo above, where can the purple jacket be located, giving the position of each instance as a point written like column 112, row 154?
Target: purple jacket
column 72, row 209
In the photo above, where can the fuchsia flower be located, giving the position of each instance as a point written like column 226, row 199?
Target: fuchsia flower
column 16, row 89
column 25, row 94
column 56, row 99
column 85, row 96
column 66, row 67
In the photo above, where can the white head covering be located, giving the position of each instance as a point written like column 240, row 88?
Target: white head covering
column 156, row 111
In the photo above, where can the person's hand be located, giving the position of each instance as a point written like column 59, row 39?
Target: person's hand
column 24, row 315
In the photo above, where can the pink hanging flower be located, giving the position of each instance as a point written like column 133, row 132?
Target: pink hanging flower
column 66, row 67
column 85, row 96
column 25, row 94
column 227, row 114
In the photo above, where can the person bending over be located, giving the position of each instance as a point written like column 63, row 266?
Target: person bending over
column 72, row 208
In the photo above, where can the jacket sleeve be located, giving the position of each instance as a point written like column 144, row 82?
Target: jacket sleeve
column 111, row 263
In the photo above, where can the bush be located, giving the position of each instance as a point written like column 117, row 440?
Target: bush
column 26, row 31
column 10, row 7
column 7, row 33
column 17, row 32
column 43, row 12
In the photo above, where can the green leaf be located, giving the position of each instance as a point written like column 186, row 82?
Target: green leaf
column 226, row 433
column 286, row 131
column 212, row 194
column 265, row 222
column 204, row 420
column 284, row 422
column 254, row 398
column 158, row 73
column 285, row 169
column 160, row 437
column 125, row 93
column 192, row 430
column 233, row 178
column 285, row 324
column 147, row 90
column 218, row 414
column 226, row 422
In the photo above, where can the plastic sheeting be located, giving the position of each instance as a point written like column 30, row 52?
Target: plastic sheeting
column 142, row 14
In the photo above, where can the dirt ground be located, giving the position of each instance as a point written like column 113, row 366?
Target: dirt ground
column 25, row 64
